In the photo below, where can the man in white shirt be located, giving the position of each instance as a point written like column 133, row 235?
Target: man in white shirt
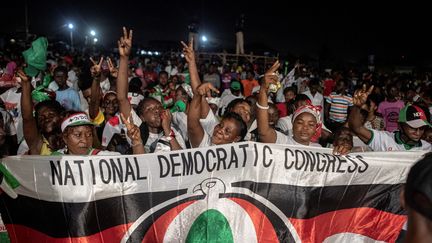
column 316, row 97
column 12, row 101
column 230, row 94
column 412, row 124
column 8, row 137
column 213, row 77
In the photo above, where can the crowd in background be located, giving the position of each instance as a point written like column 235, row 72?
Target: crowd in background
column 56, row 103
column 165, row 95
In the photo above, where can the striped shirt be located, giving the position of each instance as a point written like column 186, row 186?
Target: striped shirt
column 339, row 106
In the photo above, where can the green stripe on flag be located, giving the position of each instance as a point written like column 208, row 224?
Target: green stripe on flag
column 211, row 226
column 4, row 237
column 8, row 177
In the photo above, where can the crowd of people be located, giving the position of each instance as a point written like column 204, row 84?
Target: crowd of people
column 182, row 103
column 126, row 104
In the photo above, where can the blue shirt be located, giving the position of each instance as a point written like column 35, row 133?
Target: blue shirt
column 69, row 99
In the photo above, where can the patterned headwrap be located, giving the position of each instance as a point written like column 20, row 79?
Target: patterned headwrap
column 316, row 112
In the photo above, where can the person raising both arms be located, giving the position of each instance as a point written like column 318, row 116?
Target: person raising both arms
column 208, row 119
column 412, row 124
column 230, row 129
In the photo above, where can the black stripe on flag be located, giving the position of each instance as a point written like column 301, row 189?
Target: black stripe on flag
column 58, row 219
column 307, row 202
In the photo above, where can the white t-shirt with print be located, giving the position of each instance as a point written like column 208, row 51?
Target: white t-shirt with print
column 285, row 124
column 8, row 122
column 154, row 136
column 206, row 141
column 110, row 130
column 386, row 141
column 284, row 139
column 179, row 119
column 12, row 100
column 209, row 123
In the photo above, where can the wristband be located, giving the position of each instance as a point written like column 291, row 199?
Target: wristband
column 262, row 107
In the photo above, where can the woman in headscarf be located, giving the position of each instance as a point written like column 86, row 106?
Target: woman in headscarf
column 306, row 119
column 77, row 130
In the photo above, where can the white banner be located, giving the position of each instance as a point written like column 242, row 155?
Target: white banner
column 289, row 186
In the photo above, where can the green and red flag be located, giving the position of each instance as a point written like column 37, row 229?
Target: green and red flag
column 242, row 192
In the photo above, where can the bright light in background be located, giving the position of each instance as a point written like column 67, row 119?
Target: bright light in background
column 95, row 40
column 204, row 38
column 156, row 53
column 150, row 53
column 70, row 26
column 92, row 32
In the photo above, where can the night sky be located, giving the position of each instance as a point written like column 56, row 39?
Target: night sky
column 350, row 31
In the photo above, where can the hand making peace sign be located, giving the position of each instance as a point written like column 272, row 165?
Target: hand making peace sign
column 133, row 130
column 113, row 70
column 125, row 43
column 361, row 95
column 96, row 69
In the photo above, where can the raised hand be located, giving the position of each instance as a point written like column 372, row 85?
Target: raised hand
column 188, row 51
column 205, row 89
column 133, row 131
column 96, row 69
column 166, row 121
column 271, row 77
column 113, row 70
column 24, row 78
column 297, row 64
column 361, row 95
column 125, row 43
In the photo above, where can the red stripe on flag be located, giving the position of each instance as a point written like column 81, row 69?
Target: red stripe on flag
column 158, row 229
column 375, row 224
column 23, row 234
column 263, row 227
